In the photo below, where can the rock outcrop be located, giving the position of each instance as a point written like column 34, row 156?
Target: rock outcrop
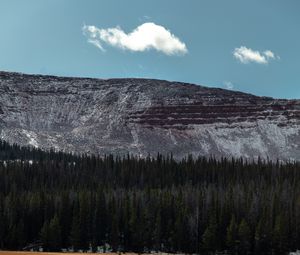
column 144, row 116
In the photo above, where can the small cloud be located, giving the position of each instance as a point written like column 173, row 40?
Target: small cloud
column 269, row 54
column 145, row 37
column 96, row 43
column 246, row 55
column 228, row 85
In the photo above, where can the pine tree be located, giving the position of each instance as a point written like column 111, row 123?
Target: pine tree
column 100, row 219
column 157, row 236
column 261, row 242
column 45, row 236
column 180, row 233
column 65, row 216
column 51, row 235
column 209, row 237
column 54, row 234
column 231, row 236
column 280, row 235
column 244, row 237
column 2, row 229
column 18, row 235
column 84, row 220
column 75, row 230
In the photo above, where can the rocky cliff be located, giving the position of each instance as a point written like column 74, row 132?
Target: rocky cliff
column 143, row 116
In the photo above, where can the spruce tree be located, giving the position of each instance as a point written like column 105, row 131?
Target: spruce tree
column 231, row 236
column 75, row 231
column 244, row 237
column 280, row 235
column 55, row 234
column 209, row 237
column 45, row 236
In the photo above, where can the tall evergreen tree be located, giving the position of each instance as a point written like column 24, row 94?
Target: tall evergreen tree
column 280, row 235
column 232, row 236
column 75, row 230
column 51, row 235
column 244, row 237
column 209, row 237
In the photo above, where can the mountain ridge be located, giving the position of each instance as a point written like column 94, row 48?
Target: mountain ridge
column 59, row 77
column 145, row 116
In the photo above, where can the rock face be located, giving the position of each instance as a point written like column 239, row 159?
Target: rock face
column 143, row 116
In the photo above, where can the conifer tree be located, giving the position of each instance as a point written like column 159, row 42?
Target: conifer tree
column 54, row 234
column 261, row 242
column 232, row 235
column 280, row 235
column 45, row 236
column 244, row 237
column 75, row 231
column 209, row 237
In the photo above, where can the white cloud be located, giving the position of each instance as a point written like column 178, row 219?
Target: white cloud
column 228, row 85
column 246, row 55
column 96, row 43
column 269, row 54
column 145, row 37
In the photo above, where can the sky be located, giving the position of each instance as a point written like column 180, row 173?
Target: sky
column 247, row 45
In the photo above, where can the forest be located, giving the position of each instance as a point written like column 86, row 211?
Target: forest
column 196, row 205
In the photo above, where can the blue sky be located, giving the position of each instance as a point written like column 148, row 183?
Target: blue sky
column 251, row 46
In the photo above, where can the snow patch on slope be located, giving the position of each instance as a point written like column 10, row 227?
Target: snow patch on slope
column 32, row 138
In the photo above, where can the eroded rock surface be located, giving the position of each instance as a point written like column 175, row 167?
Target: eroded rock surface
column 143, row 116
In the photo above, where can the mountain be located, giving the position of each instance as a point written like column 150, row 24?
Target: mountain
column 145, row 116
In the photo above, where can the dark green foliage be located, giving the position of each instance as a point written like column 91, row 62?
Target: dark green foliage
column 244, row 238
column 75, row 233
column 210, row 235
column 51, row 235
column 232, row 236
column 280, row 234
column 192, row 206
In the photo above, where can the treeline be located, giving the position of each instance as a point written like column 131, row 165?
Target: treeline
column 193, row 206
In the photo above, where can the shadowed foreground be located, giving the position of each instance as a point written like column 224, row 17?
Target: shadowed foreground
column 54, row 253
